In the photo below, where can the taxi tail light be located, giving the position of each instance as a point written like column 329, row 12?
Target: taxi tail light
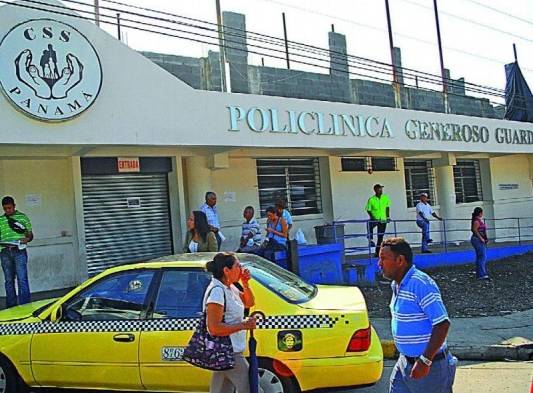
column 360, row 341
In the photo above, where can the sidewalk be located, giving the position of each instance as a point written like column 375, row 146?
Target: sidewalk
column 481, row 338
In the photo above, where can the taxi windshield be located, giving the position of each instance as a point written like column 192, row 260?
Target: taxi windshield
column 282, row 282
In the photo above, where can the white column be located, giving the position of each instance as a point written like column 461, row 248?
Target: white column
column 178, row 204
column 198, row 181
column 445, row 190
column 446, row 196
column 79, row 238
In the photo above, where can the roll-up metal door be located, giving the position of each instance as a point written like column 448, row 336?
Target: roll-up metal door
column 127, row 219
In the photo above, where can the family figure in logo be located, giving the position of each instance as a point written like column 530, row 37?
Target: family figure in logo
column 48, row 65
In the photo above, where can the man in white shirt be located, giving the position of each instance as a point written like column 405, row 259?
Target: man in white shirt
column 424, row 212
column 210, row 210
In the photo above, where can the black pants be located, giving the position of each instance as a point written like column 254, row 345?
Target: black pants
column 382, row 227
column 269, row 252
column 219, row 240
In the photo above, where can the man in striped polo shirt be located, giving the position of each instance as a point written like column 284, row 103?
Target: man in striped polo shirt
column 251, row 232
column 419, row 324
column 15, row 234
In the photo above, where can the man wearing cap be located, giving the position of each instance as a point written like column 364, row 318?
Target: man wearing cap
column 419, row 324
column 15, row 234
column 424, row 211
column 378, row 209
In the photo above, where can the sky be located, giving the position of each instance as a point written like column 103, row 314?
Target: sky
column 477, row 35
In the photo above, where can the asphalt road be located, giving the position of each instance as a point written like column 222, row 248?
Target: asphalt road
column 476, row 377
column 471, row 377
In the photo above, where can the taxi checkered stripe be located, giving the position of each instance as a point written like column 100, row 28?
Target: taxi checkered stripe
column 297, row 322
column 152, row 325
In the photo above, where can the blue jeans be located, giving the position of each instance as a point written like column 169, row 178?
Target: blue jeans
column 424, row 225
column 439, row 380
column 481, row 256
column 15, row 265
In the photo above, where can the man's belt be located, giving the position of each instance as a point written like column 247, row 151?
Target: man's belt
column 441, row 355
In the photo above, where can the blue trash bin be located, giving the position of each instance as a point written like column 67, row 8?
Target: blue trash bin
column 318, row 263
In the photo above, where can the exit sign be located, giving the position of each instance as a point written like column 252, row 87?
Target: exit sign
column 128, row 165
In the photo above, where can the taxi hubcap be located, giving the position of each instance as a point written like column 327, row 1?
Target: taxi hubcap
column 2, row 380
column 269, row 381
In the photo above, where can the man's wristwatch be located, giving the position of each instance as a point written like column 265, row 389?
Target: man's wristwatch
column 425, row 360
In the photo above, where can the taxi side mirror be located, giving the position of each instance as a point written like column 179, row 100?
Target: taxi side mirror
column 57, row 314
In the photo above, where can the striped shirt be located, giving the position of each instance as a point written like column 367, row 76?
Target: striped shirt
column 416, row 307
column 254, row 228
column 7, row 234
column 212, row 215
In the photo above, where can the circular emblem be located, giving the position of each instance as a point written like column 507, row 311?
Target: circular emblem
column 289, row 340
column 49, row 70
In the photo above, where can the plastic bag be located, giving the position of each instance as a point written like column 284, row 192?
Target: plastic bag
column 300, row 237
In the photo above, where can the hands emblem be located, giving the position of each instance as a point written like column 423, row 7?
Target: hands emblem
column 48, row 83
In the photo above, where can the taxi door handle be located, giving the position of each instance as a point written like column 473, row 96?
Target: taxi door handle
column 124, row 338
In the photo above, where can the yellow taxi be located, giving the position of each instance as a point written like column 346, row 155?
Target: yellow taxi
column 126, row 329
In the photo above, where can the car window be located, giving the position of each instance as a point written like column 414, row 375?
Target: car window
column 283, row 282
column 120, row 296
column 181, row 293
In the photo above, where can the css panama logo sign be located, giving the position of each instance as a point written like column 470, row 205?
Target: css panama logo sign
column 49, row 70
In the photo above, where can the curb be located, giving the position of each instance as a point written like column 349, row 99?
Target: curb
column 493, row 352
column 474, row 352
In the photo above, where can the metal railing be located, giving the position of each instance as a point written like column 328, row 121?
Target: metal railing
column 446, row 234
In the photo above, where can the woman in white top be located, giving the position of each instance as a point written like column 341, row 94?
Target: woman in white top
column 229, row 320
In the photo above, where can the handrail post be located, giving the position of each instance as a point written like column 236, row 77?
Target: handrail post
column 445, row 236
column 368, row 238
column 395, row 231
column 519, row 235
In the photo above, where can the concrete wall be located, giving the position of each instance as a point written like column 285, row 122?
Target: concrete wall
column 239, row 179
column 351, row 191
column 512, row 203
column 189, row 69
column 53, row 259
column 298, row 84
column 334, row 85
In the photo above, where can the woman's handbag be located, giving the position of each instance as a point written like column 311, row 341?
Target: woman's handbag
column 210, row 352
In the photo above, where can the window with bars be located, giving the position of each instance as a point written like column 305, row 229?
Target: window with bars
column 363, row 164
column 296, row 180
column 467, row 179
column 419, row 178
column 383, row 164
column 354, row 164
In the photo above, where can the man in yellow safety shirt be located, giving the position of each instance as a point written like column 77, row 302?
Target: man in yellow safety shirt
column 378, row 209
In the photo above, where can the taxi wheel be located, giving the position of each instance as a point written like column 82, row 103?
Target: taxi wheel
column 276, row 378
column 8, row 377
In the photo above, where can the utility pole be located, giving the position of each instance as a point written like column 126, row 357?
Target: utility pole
column 221, row 47
column 119, row 31
column 442, row 70
column 395, row 82
column 96, row 12
column 286, row 41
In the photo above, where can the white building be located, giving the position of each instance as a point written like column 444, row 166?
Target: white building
column 71, row 112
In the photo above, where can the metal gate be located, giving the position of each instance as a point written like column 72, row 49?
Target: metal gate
column 127, row 219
